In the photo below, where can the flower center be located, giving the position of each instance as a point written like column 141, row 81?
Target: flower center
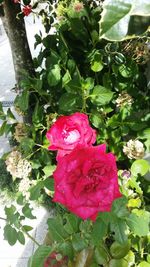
column 94, row 180
column 71, row 137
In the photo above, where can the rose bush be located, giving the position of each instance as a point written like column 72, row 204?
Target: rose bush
column 69, row 131
column 78, row 71
column 86, row 181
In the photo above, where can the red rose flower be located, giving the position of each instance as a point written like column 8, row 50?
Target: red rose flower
column 69, row 131
column 27, row 10
column 86, row 181
column 52, row 261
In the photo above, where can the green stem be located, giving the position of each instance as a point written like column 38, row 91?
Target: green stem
column 30, row 155
column 41, row 146
column 32, row 238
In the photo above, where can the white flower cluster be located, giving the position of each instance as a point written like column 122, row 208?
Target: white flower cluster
column 124, row 99
column 17, row 166
column 134, row 149
column 24, row 186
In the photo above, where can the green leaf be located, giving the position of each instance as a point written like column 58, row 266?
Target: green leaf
column 27, row 211
column 141, row 8
column 128, row 70
column 10, row 211
column 20, row 198
column 130, row 257
column 118, row 263
column 119, row 30
column 119, row 227
column 66, row 78
column 56, row 230
column 140, row 166
column 35, row 191
column 118, row 250
column 36, row 164
column 10, row 234
column 97, row 120
column 88, row 84
column 10, row 115
column 99, row 231
column 101, row 255
column 144, row 264
column 148, row 258
column 135, row 185
column 74, row 86
column 23, row 100
column 145, row 134
column 119, row 207
column 117, row 18
column 54, row 76
column 114, row 121
column 27, row 145
column 96, row 66
column 114, row 20
column 101, row 95
column 70, row 102
column 38, row 114
column 48, row 170
column 39, row 257
column 72, row 224
column 138, row 222
column 27, row 228
column 21, row 237
column 134, row 203
column 12, row 217
column 78, row 243
column 3, row 128
column 49, row 184
column 67, row 250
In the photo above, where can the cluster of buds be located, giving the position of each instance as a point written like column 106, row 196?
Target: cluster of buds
column 134, row 149
column 20, row 132
column 17, row 166
column 24, row 187
column 78, row 6
column 124, row 99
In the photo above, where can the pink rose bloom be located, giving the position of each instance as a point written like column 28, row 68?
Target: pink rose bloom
column 68, row 132
column 86, row 181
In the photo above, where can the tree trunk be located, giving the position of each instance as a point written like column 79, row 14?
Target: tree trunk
column 15, row 29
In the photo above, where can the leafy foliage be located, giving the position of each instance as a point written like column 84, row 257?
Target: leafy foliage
column 79, row 69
